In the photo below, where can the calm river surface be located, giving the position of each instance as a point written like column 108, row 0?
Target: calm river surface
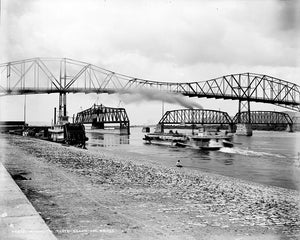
column 271, row 158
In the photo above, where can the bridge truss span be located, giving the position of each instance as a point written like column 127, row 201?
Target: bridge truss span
column 195, row 116
column 263, row 117
column 52, row 75
column 99, row 115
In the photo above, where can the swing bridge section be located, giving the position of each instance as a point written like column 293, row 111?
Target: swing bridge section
column 62, row 76
column 99, row 116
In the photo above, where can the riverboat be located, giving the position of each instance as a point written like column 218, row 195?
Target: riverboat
column 204, row 140
column 69, row 133
column 169, row 139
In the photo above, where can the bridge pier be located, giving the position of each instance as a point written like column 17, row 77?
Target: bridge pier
column 289, row 128
column 244, row 129
column 124, row 128
column 97, row 125
column 231, row 128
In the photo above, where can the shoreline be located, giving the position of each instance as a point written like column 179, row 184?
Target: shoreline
column 195, row 202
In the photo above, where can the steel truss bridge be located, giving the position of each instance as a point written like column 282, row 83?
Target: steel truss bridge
column 205, row 116
column 195, row 116
column 263, row 117
column 98, row 115
column 53, row 75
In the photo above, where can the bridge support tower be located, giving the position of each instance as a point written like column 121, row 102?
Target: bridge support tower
column 232, row 128
column 244, row 129
column 62, row 109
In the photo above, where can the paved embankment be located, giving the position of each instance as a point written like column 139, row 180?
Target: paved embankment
column 18, row 218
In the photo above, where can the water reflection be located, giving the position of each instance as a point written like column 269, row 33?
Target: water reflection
column 98, row 139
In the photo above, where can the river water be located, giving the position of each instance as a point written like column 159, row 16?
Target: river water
column 271, row 158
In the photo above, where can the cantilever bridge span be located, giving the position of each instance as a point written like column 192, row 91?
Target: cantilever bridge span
column 49, row 75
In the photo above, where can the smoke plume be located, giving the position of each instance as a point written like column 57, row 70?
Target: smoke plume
column 138, row 95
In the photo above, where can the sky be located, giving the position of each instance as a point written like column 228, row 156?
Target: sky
column 165, row 40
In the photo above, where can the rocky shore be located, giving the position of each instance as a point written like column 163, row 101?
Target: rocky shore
column 84, row 195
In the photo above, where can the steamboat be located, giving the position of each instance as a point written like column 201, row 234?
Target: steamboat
column 67, row 133
column 205, row 139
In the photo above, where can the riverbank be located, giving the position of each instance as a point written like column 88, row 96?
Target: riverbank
column 84, row 195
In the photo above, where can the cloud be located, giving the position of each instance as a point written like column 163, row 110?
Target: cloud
column 172, row 41
column 187, row 34
column 229, row 32
column 289, row 15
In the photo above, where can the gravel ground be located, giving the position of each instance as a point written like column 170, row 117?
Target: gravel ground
column 84, row 195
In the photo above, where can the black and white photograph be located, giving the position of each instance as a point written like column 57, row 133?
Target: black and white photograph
column 149, row 119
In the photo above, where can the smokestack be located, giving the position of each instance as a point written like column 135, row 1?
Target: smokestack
column 54, row 115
